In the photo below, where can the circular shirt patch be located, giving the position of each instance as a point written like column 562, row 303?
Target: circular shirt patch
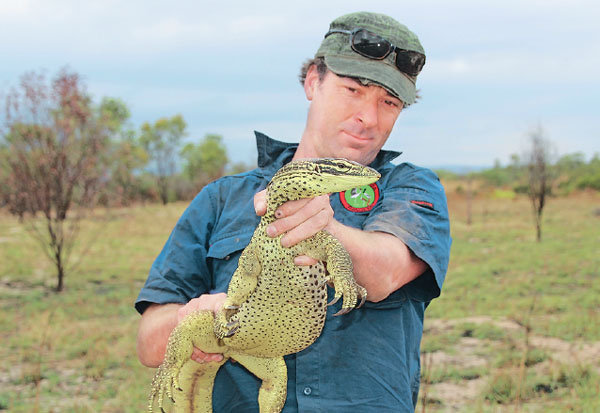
column 360, row 199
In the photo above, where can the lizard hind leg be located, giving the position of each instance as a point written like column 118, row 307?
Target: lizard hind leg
column 273, row 373
column 197, row 381
column 195, row 330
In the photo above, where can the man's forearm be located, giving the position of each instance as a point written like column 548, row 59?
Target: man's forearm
column 382, row 263
column 153, row 334
column 160, row 319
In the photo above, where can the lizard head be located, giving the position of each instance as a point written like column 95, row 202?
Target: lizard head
column 313, row 177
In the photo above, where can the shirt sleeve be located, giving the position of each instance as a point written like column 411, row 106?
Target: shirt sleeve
column 180, row 271
column 413, row 207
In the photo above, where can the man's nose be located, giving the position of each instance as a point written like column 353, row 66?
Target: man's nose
column 368, row 112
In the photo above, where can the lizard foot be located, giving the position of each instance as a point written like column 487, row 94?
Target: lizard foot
column 165, row 380
column 225, row 327
column 351, row 293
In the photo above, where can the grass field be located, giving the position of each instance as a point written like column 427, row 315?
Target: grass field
column 516, row 328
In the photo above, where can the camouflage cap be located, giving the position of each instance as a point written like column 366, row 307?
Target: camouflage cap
column 342, row 60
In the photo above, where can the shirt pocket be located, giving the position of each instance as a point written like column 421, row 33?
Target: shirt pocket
column 223, row 256
column 393, row 301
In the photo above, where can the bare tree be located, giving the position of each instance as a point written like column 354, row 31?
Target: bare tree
column 539, row 173
column 469, row 193
column 53, row 143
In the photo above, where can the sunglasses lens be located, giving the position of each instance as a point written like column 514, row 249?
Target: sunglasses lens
column 409, row 62
column 370, row 45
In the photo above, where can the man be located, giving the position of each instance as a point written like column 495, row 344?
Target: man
column 396, row 232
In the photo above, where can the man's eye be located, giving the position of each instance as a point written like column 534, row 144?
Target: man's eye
column 352, row 89
column 391, row 103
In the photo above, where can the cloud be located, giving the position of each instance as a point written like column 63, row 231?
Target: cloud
column 207, row 34
column 509, row 65
column 168, row 30
column 14, row 9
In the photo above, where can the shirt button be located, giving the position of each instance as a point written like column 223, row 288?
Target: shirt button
column 307, row 391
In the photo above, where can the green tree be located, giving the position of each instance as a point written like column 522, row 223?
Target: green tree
column 127, row 156
column 53, row 145
column 577, row 174
column 161, row 141
column 590, row 179
column 570, row 163
column 205, row 161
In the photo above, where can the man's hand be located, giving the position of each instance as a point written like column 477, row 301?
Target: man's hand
column 298, row 220
column 212, row 302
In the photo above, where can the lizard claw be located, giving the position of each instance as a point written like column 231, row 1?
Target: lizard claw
column 362, row 301
column 362, row 292
column 352, row 293
column 232, row 307
column 231, row 332
column 335, row 300
column 233, row 326
column 343, row 311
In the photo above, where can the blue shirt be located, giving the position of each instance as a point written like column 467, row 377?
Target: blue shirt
column 364, row 361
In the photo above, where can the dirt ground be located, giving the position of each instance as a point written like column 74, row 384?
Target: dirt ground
column 470, row 353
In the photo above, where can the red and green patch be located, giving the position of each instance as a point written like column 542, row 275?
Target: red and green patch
column 360, row 199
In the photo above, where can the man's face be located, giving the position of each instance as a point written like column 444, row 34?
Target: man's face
column 346, row 118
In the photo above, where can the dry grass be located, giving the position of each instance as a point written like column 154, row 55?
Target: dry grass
column 75, row 351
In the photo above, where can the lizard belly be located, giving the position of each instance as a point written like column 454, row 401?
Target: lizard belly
column 285, row 313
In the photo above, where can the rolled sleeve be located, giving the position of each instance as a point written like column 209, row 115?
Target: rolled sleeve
column 414, row 209
column 180, row 272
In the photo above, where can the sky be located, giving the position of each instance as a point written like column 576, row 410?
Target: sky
column 495, row 72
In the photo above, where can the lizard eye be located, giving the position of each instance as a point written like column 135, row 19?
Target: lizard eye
column 343, row 167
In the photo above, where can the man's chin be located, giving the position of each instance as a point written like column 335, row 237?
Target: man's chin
column 356, row 155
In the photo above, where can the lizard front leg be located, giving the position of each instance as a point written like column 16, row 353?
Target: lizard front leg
column 326, row 247
column 242, row 284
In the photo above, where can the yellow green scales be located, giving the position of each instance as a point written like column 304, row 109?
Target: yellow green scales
column 273, row 307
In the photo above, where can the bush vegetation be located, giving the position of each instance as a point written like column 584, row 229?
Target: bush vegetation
column 571, row 173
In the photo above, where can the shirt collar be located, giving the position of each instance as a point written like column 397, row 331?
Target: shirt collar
column 273, row 154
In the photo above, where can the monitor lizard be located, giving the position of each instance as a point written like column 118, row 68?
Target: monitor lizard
column 273, row 307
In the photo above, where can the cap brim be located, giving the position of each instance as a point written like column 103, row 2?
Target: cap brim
column 376, row 71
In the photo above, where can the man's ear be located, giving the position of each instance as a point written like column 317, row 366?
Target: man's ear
column 311, row 82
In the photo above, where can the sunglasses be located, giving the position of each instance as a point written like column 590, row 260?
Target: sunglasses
column 373, row 46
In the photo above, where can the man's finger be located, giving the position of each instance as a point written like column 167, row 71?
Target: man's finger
column 201, row 357
column 312, row 210
column 306, row 229
column 212, row 302
column 303, row 260
column 260, row 202
column 291, row 207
